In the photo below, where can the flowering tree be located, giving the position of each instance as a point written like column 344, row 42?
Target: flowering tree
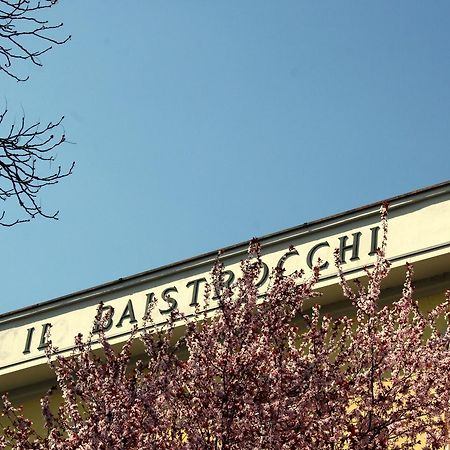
column 259, row 374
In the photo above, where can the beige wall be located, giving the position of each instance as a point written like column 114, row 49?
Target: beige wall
column 419, row 227
column 31, row 400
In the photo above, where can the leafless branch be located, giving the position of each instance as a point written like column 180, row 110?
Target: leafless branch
column 26, row 156
column 21, row 28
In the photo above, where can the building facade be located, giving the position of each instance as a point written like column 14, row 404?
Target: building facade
column 419, row 233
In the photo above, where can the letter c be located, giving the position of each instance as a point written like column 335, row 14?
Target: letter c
column 312, row 252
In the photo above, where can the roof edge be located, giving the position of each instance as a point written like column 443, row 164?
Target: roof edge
column 228, row 249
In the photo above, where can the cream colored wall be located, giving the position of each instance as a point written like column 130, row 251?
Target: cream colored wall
column 31, row 401
column 418, row 233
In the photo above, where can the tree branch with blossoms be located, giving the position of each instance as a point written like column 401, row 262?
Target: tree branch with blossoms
column 268, row 374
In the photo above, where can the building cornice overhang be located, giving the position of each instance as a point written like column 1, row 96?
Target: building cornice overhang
column 419, row 224
column 240, row 250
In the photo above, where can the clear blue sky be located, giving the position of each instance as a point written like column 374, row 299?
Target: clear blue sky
column 199, row 124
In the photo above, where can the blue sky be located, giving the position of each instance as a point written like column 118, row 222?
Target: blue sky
column 199, row 124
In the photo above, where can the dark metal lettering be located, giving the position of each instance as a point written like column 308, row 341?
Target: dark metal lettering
column 354, row 247
column 226, row 283
column 286, row 256
column 101, row 325
column 27, row 348
column 230, row 279
column 43, row 343
column 128, row 313
column 196, row 283
column 374, row 241
column 264, row 277
column 312, row 252
column 170, row 300
column 149, row 304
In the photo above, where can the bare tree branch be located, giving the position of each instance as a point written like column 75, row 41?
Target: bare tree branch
column 27, row 150
column 26, row 156
column 24, row 35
